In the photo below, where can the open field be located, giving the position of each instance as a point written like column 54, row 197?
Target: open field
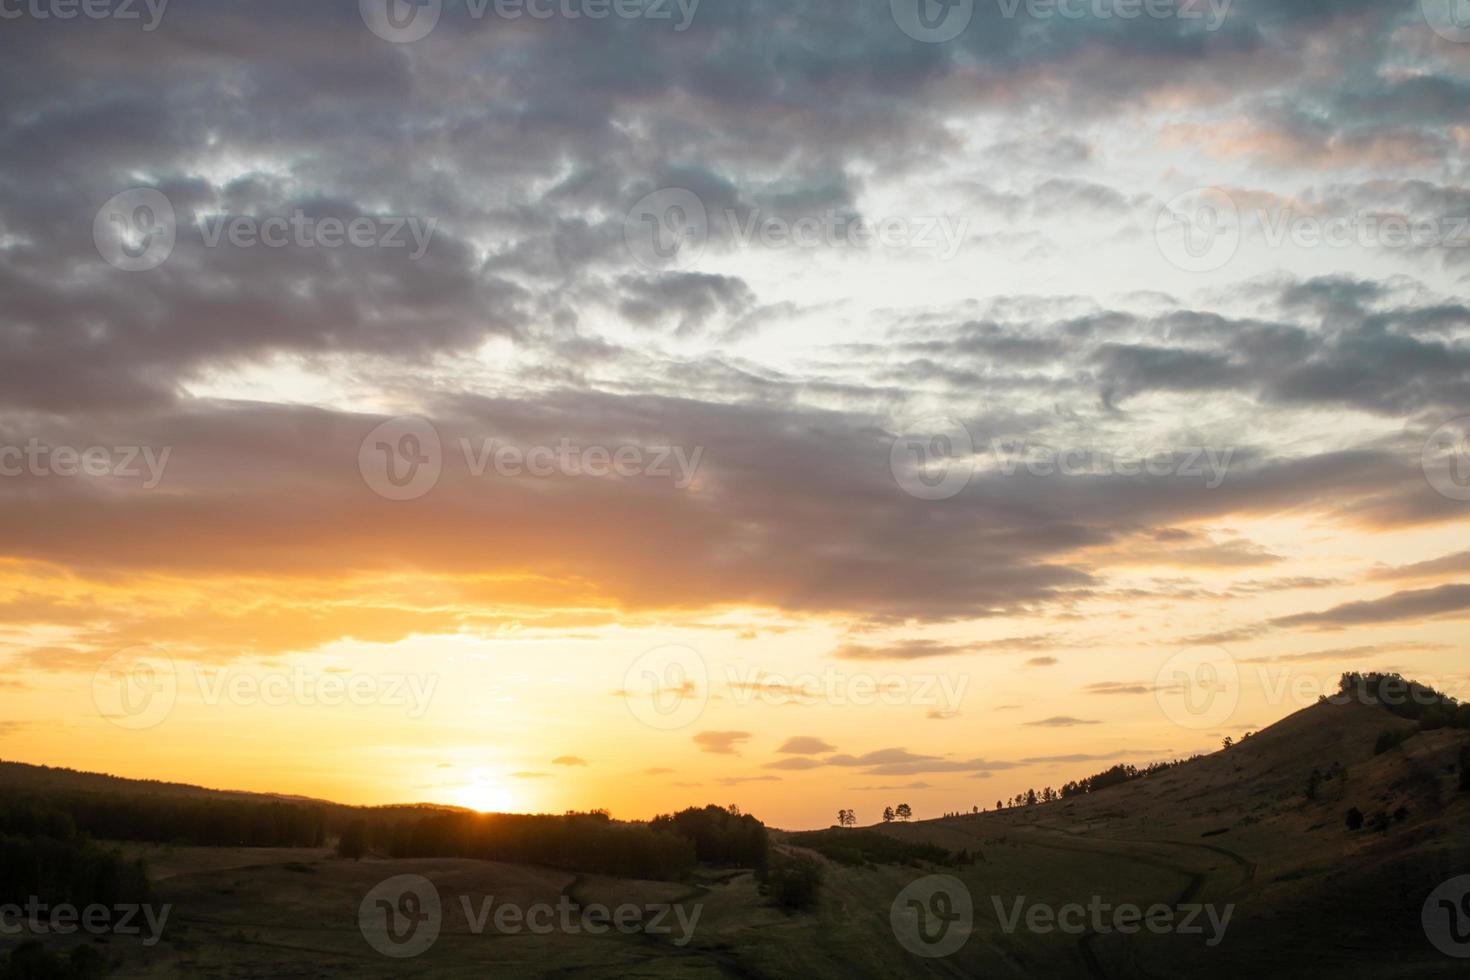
column 1274, row 877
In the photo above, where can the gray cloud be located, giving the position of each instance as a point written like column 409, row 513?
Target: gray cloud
column 721, row 743
column 1443, row 600
column 806, row 745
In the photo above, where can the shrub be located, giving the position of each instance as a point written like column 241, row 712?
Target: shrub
column 32, row 961
column 1355, row 819
column 856, row 847
column 791, row 881
column 353, row 842
column 720, row 836
column 1391, row 740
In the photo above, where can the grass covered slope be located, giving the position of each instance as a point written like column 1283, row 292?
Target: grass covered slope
column 1252, row 827
column 1259, row 830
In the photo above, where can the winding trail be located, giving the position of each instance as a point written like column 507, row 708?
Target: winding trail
column 728, row 964
column 1128, row 850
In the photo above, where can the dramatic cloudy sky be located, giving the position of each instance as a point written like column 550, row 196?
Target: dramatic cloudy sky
column 999, row 393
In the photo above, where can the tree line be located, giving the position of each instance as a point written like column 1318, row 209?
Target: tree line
column 667, row 847
column 203, row 821
column 43, row 854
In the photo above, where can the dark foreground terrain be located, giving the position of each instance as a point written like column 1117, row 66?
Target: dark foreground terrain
column 1241, row 862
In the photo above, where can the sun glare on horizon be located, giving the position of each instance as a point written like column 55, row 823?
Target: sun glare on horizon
column 485, row 794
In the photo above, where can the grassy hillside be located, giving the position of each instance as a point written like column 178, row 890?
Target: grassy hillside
column 1249, row 828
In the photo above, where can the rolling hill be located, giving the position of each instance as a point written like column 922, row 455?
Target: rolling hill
column 1247, row 837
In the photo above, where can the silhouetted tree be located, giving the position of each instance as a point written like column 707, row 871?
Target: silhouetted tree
column 904, row 811
column 888, row 814
column 791, row 881
column 353, row 842
column 33, row 961
column 719, row 837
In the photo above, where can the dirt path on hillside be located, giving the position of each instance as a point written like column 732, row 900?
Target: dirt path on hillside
column 654, row 946
column 1125, row 849
column 1195, row 883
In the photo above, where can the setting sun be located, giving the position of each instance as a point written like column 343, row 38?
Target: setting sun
column 485, row 794
column 873, row 479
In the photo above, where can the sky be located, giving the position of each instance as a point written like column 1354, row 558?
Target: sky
column 600, row 403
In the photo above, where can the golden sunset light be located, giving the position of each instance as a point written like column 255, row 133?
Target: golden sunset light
column 878, row 488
